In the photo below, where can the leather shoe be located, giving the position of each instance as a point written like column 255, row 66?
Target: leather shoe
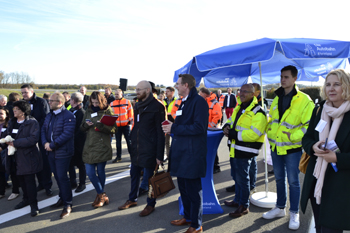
column 239, row 212
column 21, row 205
column 231, row 189
column 127, row 205
column 216, row 170
column 66, row 212
column 80, row 188
column 49, row 192
column 193, row 230
column 180, row 222
column 59, row 203
column 231, row 204
column 34, row 211
column 73, row 185
column 146, row 211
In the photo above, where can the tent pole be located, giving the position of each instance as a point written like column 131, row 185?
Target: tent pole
column 264, row 199
column 262, row 104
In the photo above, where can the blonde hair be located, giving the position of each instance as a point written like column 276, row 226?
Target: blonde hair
column 344, row 79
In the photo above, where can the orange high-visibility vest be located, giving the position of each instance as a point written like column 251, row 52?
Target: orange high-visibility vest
column 124, row 110
column 176, row 107
column 221, row 100
column 215, row 112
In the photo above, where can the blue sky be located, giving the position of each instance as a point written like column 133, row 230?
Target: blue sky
column 100, row 41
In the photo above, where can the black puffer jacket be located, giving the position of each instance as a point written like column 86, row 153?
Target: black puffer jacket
column 27, row 156
column 147, row 137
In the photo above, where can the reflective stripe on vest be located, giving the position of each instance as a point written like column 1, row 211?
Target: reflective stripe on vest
column 284, row 143
column 245, row 149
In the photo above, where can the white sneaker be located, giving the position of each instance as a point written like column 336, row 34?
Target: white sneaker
column 274, row 213
column 294, row 222
column 13, row 196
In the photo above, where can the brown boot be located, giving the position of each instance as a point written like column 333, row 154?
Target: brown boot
column 102, row 200
column 95, row 201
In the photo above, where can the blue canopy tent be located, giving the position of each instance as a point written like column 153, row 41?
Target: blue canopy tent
column 262, row 60
column 230, row 66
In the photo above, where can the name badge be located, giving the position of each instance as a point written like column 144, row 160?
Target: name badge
column 3, row 130
column 138, row 117
column 320, row 126
column 243, row 111
column 178, row 112
column 93, row 115
column 31, row 107
column 15, row 131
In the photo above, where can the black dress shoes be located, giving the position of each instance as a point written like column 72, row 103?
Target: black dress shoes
column 34, row 210
column 59, row 203
column 66, row 212
column 80, row 188
column 49, row 192
column 216, row 170
column 21, row 205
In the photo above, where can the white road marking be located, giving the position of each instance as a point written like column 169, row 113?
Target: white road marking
column 52, row 200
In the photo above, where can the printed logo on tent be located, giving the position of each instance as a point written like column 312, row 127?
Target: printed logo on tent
column 324, row 69
column 314, row 50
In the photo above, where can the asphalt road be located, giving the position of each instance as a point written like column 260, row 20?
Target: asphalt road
column 84, row 218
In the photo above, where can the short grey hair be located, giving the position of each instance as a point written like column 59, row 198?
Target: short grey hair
column 77, row 97
column 3, row 97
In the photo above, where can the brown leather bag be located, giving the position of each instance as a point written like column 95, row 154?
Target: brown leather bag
column 160, row 184
column 304, row 161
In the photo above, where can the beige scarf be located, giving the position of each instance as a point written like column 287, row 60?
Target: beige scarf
column 337, row 114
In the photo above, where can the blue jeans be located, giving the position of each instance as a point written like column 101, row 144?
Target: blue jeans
column 287, row 166
column 242, row 167
column 144, row 183
column 122, row 130
column 252, row 172
column 60, row 168
column 192, row 200
column 135, row 173
column 99, row 180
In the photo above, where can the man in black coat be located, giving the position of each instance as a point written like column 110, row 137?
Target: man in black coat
column 39, row 109
column 79, row 141
column 230, row 102
column 147, row 143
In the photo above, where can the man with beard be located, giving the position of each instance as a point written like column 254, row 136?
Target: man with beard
column 147, row 143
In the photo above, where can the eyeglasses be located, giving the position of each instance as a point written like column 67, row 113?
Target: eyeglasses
column 53, row 100
column 139, row 89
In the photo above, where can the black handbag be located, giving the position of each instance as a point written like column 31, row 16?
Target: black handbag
column 160, row 183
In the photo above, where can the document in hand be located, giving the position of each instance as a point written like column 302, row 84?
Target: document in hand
column 108, row 119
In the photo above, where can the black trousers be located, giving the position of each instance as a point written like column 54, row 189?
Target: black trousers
column 316, row 211
column 29, row 188
column 82, row 171
column 2, row 183
column 15, row 182
column 44, row 176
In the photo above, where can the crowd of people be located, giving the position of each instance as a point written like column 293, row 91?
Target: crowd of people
column 64, row 131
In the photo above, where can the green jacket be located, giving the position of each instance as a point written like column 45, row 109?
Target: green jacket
column 97, row 148
column 335, row 204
